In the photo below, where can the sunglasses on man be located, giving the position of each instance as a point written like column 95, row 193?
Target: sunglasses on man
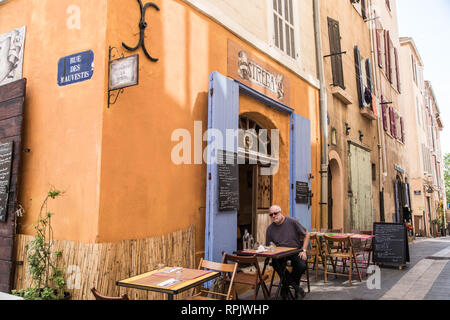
column 274, row 214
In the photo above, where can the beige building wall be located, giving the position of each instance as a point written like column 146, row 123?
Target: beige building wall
column 413, row 99
column 344, row 110
column 394, row 152
column 252, row 20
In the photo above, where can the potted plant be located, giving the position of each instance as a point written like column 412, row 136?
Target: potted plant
column 48, row 278
column 437, row 226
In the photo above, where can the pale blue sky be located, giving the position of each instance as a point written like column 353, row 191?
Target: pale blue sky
column 428, row 23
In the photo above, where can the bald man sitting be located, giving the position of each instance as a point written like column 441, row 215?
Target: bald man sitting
column 286, row 232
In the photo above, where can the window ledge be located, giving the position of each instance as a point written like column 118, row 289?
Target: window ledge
column 343, row 96
column 368, row 113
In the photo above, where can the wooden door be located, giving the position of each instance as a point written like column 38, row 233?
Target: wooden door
column 11, row 117
column 361, row 215
column 223, row 115
column 300, row 164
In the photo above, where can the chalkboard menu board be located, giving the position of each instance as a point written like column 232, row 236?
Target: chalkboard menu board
column 301, row 192
column 6, row 151
column 228, row 173
column 390, row 244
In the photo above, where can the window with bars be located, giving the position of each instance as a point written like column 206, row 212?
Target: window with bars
column 283, row 18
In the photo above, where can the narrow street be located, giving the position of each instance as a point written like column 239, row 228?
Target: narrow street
column 427, row 277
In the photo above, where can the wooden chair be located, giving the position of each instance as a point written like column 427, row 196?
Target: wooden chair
column 228, row 274
column 345, row 254
column 98, row 296
column 255, row 280
column 315, row 254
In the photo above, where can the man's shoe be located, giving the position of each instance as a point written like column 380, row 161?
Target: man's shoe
column 284, row 293
column 299, row 292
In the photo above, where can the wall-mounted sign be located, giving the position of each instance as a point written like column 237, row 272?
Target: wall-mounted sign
column 248, row 69
column 76, row 68
column 124, row 72
column 301, row 192
column 228, row 174
column 6, row 151
column 11, row 55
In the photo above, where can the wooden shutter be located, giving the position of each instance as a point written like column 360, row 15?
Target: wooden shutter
column 334, row 36
column 363, row 9
column 402, row 127
column 384, row 114
column 388, row 56
column 379, row 55
column 392, row 119
column 369, row 75
column 12, row 98
column 397, row 70
column 359, row 80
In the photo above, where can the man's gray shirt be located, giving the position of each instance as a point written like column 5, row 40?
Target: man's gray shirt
column 287, row 234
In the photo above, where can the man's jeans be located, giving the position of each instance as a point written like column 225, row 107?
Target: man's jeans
column 298, row 268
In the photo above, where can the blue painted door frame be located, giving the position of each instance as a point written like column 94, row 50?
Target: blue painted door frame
column 223, row 114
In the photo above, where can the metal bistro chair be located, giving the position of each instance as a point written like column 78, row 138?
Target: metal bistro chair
column 228, row 273
column 346, row 254
column 367, row 250
column 98, row 296
column 254, row 279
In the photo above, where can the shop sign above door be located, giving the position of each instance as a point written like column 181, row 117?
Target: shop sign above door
column 76, row 68
column 248, row 69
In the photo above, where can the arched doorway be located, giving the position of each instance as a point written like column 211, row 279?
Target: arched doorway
column 335, row 192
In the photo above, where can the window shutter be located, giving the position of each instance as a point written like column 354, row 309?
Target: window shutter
column 369, row 74
column 379, row 55
column 363, row 9
column 359, row 80
column 384, row 114
column 334, row 36
column 389, row 56
column 397, row 70
column 386, row 49
column 402, row 126
column 392, row 120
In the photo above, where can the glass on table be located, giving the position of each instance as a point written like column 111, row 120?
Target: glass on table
column 272, row 247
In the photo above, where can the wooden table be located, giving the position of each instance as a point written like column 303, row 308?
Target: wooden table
column 154, row 280
column 277, row 253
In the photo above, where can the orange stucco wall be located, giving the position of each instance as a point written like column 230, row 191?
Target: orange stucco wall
column 115, row 164
column 142, row 192
column 62, row 125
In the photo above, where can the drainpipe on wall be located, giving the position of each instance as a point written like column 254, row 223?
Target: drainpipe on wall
column 382, row 167
column 323, row 121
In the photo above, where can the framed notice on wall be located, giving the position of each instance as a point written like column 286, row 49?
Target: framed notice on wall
column 6, row 153
column 124, row 72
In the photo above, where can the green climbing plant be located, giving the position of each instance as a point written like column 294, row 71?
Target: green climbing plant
column 48, row 277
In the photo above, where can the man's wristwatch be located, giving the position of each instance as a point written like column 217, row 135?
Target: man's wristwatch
column 302, row 250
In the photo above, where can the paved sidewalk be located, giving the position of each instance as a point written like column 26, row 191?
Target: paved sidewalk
column 427, row 277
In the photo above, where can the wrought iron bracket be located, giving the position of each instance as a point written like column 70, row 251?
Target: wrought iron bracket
column 335, row 54
column 117, row 92
column 142, row 26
